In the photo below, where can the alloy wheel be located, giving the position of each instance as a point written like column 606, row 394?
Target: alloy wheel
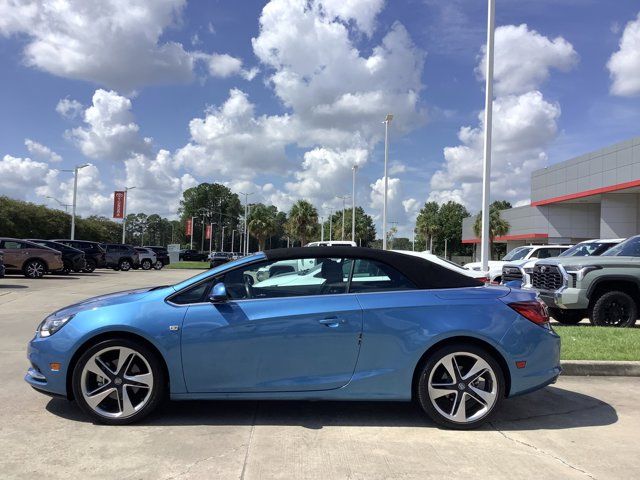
column 463, row 387
column 125, row 265
column 117, row 382
column 35, row 269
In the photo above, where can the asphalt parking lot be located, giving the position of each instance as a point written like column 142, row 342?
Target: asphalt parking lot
column 579, row 428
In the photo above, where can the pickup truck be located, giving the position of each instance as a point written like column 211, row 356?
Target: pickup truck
column 606, row 289
column 526, row 252
column 518, row 273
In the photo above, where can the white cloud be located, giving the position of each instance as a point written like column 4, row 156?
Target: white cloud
column 624, row 64
column 69, row 108
column 523, row 59
column 224, row 65
column 110, row 132
column 362, row 12
column 38, row 150
column 19, row 176
column 524, row 123
column 109, row 42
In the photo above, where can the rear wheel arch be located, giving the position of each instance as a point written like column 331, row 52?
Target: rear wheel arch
column 456, row 340
column 31, row 259
column 629, row 285
column 112, row 336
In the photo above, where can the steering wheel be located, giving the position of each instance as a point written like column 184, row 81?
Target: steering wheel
column 248, row 284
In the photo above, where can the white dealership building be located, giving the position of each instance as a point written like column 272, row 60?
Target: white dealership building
column 595, row 195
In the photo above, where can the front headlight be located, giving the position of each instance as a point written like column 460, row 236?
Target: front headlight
column 52, row 324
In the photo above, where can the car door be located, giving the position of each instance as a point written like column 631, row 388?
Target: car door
column 298, row 335
column 15, row 253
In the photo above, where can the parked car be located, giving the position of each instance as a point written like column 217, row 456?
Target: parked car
column 604, row 289
column 456, row 346
column 1, row 265
column 518, row 273
column 29, row 258
column 121, row 257
column 527, row 252
column 447, row 264
column 72, row 258
column 192, row 256
column 218, row 258
column 162, row 257
column 94, row 254
column 147, row 258
column 332, row 243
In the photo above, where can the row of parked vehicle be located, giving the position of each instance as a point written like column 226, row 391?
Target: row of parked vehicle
column 35, row 257
column 596, row 279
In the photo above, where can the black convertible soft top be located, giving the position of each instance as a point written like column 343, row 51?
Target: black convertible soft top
column 422, row 272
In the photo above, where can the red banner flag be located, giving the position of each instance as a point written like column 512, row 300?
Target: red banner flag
column 208, row 232
column 189, row 227
column 118, row 204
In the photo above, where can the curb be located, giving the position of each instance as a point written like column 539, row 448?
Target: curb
column 600, row 368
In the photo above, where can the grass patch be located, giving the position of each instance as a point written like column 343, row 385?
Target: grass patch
column 599, row 343
column 189, row 265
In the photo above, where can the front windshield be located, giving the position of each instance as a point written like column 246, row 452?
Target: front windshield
column 517, row 253
column 629, row 248
column 585, row 249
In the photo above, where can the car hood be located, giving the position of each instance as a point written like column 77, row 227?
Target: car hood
column 593, row 260
column 126, row 296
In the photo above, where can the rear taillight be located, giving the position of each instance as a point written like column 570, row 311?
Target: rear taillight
column 483, row 279
column 534, row 310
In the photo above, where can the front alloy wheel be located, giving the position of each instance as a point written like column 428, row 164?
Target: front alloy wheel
column 146, row 264
column 124, row 265
column 460, row 386
column 34, row 269
column 614, row 309
column 118, row 382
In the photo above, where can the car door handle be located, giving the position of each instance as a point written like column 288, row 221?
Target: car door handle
column 332, row 322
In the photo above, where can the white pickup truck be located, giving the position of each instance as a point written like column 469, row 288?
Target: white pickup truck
column 526, row 252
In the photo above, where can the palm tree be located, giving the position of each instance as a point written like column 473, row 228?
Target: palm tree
column 262, row 224
column 498, row 226
column 303, row 221
column 428, row 223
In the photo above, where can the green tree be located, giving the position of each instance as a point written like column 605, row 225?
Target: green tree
column 365, row 228
column 497, row 225
column 450, row 217
column 262, row 223
column 427, row 223
column 302, row 223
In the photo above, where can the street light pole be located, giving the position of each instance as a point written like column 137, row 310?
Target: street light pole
column 330, row 222
column 233, row 238
column 75, row 195
column 245, row 245
column 343, row 197
column 124, row 211
column 488, row 107
column 353, row 205
column 386, row 122
column 322, row 229
column 65, row 205
column 222, row 240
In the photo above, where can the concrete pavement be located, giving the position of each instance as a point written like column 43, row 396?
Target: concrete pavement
column 583, row 427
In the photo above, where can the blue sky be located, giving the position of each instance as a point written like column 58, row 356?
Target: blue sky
column 280, row 99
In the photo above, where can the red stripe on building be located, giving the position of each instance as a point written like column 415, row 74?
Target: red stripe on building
column 506, row 238
column 587, row 193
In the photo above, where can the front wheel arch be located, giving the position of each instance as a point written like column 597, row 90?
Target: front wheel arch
column 112, row 336
column 458, row 340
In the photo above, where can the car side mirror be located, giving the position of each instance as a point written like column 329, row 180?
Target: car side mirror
column 219, row 293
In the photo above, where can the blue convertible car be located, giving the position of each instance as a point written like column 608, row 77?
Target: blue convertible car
column 317, row 323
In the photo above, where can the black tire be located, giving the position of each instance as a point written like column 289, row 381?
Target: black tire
column 433, row 366
column 34, row 269
column 158, row 265
column 89, row 267
column 567, row 317
column 124, row 265
column 146, row 264
column 155, row 397
column 614, row 309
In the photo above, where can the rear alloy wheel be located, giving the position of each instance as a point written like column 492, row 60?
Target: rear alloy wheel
column 34, row 269
column 158, row 265
column 90, row 266
column 118, row 382
column 146, row 264
column 614, row 309
column 460, row 386
column 567, row 317
column 124, row 265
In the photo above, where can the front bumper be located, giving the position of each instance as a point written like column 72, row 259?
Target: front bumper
column 565, row 298
column 40, row 376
